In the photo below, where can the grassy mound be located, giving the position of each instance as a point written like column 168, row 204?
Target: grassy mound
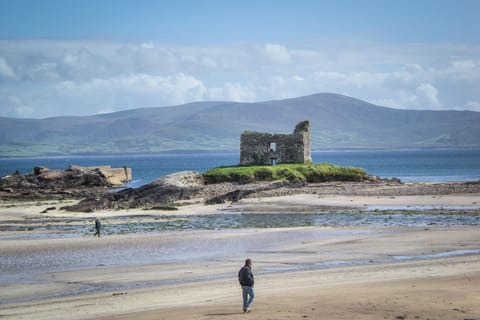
column 289, row 172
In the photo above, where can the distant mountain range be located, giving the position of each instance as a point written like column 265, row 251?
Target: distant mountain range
column 337, row 121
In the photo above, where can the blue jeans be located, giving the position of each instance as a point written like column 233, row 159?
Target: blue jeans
column 248, row 296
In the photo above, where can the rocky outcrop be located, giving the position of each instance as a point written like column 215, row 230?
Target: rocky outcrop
column 169, row 189
column 115, row 176
column 165, row 190
column 162, row 193
column 45, row 183
column 242, row 191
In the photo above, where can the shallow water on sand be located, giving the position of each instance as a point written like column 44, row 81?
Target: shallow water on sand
column 73, row 264
column 34, row 266
column 38, row 228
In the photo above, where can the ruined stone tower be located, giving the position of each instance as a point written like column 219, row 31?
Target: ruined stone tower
column 273, row 148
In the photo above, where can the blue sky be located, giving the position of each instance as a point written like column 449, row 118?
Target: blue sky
column 87, row 57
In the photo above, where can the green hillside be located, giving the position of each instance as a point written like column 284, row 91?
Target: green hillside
column 336, row 122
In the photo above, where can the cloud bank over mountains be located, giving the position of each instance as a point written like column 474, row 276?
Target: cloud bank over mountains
column 46, row 78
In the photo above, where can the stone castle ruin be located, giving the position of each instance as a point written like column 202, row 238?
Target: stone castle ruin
column 258, row 148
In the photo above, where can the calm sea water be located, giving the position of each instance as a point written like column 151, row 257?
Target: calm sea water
column 408, row 165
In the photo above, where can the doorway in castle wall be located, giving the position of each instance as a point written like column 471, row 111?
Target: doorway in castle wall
column 273, row 146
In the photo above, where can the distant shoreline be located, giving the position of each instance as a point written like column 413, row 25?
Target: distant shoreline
column 200, row 151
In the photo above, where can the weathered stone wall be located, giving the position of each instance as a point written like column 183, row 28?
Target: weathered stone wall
column 272, row 148
column 304, row 129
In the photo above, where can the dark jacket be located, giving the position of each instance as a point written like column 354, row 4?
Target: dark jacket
column 245, row 276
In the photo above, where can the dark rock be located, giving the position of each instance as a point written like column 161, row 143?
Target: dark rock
column 48, row 184
column 48, row 209
column 39, row 170
column 165, row 190
column 252, row 188
column 165, row 207
column 232, row 196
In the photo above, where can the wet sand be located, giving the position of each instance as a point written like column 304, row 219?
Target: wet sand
column 403, row 291
column 301, row 273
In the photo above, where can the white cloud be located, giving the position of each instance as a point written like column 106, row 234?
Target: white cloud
column 131, row 91
column 47, row 78
column 277, row 54
column 5, row 70
column 473, row 105
column 428, row 94
column 147, row 45
column 464, row 69
column 232, row 92
column 14, row 107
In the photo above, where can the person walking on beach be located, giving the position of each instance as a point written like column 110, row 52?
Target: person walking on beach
column 245, row 277
column 98, row 226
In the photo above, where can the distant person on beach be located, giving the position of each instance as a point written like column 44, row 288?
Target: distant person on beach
column 98, row 226
column 245, row 277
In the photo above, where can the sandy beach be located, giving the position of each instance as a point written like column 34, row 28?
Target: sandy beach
column 308, row 272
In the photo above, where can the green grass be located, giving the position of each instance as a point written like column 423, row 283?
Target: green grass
column 288, row 172
column 29, row 150
column 123, row 146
